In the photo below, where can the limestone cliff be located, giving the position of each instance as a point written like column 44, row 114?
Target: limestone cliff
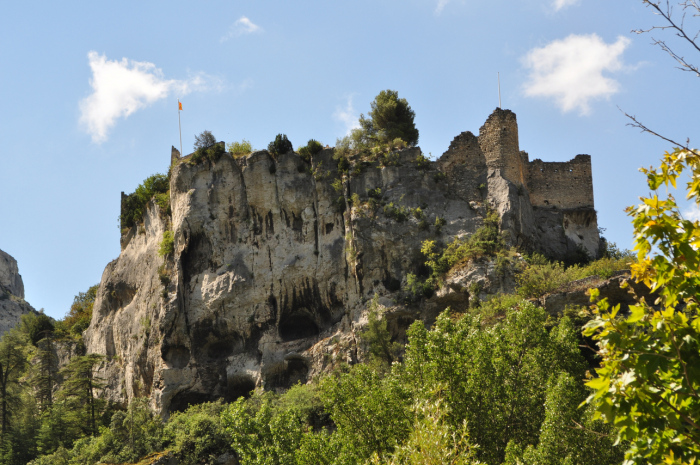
column 275, row 260
column 12, row 304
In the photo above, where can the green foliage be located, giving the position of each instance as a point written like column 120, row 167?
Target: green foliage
column 13, row 360
column 211, row 153
column 134, row 205
column 204, row 140
column 647, row 385
column 197, row 435
column 542, row 277
column 422, row 162
column 432, row 441
column 390, row 118
column 239, row 149
column 372, row 414
column 280, row 145
column 486, row 241
column 36, row 326
column 418, row 288
column 167, row 245
column 312, row 147
column 163, row 201
column 377, row 337
column 79, row 390
column 398, row 213
column 495, row 378
column 78, row 318
column 568, row 434
column 260, row 435
column 131, row 435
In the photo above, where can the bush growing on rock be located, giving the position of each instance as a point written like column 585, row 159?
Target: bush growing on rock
column 280, row 145
column 203, row 140
column 238, row 149
column 134, row 205
column 311, row 148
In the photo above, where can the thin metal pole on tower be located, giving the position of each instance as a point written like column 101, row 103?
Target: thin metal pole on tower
column 179, row 125
column 499, row 89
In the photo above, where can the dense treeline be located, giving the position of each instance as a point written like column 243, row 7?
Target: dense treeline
column 500, row 384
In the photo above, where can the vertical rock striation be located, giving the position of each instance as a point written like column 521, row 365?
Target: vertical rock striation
column 275, row 261
column 12, row 304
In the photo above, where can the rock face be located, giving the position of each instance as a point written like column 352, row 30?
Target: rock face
column 276, row 260
column 12, row 304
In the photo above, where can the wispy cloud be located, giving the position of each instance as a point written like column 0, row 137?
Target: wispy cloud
column 560, row 4
column 242, row 26
column 570, row 71
column 347, row 116
column 119, row 88
column 692, row 213
column 441, row 4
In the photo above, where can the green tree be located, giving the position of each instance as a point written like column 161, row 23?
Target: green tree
column 378, row 338
column 80, row 388
column 197, row 434
column 261, row 436
column 13, row 360
column 204, row 140
column 36, row 326
column 280, row 145
column 372, row 414
column 493, row 376
column 390, row 118
column 648, row 382
column 44, row 372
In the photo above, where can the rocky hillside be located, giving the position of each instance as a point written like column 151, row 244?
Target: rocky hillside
column 12, row 304
column 276, row 260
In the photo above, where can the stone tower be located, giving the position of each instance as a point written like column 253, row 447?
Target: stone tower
column 498, row 138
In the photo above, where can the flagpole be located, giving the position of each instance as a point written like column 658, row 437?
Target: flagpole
column 179, row 125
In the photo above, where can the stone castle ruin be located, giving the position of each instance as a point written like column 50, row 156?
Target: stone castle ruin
column 274, row 266
column 555, row 212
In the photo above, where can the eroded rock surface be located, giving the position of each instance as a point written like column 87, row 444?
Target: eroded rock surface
column 12, row 304
column 276, row 260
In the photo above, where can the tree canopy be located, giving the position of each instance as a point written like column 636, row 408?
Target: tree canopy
column 390, row 118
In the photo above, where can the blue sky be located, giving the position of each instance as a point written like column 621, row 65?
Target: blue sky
column 88, row 94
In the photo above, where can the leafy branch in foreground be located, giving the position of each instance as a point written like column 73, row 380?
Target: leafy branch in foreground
column 649, row 381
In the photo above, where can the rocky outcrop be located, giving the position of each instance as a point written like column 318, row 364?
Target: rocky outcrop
column 12, row 304
column 276, row 260
column 619, row 289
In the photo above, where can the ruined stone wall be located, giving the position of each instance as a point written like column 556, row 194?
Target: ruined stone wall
column 464, row 165
column 561, row 184
column 498, row 138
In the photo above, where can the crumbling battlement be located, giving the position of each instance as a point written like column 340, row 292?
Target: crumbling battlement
column 498, row 138
column 561, row 184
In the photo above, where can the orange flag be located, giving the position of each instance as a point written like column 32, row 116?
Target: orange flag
column 179, row 105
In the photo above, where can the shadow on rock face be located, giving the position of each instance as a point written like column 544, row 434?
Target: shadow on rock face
column 297, row 325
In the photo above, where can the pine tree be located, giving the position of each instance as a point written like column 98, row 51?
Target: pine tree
column 80, row 388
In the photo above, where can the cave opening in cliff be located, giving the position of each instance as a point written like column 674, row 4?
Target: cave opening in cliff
column 297, row 326
column 184, row 399
column 239, row 386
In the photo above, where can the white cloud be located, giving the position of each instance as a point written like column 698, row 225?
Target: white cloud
column 243, row 25
column 560, row 4
column 440, row 6
column 692, row 213
column 570, row 71
column 119, row 88
column 347, row 116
